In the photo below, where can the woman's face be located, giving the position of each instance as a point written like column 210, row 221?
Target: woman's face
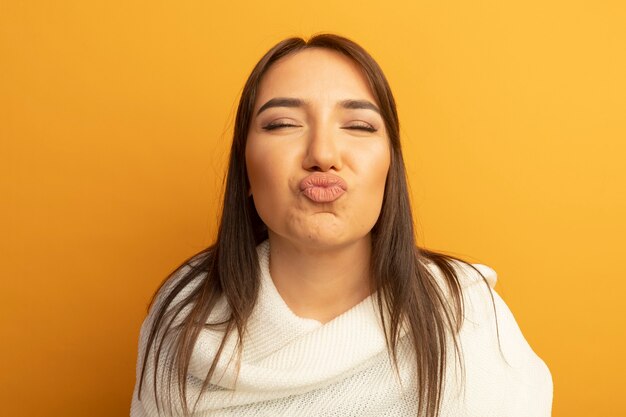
column 317, row 152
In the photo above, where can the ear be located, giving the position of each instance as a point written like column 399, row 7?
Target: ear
column 249, row 192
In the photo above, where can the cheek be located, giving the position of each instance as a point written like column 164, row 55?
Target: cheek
column 374, row 168
column 375, row 176
column 378, row 188
column 267, row 176
column 382, row 167
column 369, row 166
column 259, row 176
column 257, row 166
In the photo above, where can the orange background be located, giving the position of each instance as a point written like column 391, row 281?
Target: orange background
column 115, row 119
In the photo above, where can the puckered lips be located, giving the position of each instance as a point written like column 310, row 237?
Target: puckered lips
column 321, row 187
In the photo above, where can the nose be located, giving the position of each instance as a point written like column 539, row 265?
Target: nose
column 322, row 152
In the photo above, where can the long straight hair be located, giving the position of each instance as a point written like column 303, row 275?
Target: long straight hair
column 409, row 291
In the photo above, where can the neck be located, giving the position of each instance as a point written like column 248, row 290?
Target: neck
column 317, row 283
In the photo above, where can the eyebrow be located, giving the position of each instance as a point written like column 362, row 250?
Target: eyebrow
column 359, row 104
column 281, row 102
column 296, row 102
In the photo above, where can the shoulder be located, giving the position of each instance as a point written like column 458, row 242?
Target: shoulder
column 471, row 277
column 493, row 344
column 476, row 283
column 171, row 300
column 182, row 281
column 470, row 274
column 497, row 355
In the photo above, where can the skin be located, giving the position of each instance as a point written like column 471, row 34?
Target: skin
column 320, row 252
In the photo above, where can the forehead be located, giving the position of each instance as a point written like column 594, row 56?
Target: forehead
column 315, row 73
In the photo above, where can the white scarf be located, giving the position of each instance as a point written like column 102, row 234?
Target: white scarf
column 293, row 366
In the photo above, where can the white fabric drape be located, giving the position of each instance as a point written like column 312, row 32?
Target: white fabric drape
column 293, row 366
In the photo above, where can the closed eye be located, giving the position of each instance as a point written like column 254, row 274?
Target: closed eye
column 273, row 126
column 362, row 126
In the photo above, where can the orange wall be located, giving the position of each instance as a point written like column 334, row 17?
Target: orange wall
column 114, row 125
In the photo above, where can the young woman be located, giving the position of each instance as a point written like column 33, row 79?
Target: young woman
column 315, row 300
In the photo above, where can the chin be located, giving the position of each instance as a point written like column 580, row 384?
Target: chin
column 323, row 240
column 321, row 231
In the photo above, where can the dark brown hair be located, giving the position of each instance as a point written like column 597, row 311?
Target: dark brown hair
column 408, row 290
